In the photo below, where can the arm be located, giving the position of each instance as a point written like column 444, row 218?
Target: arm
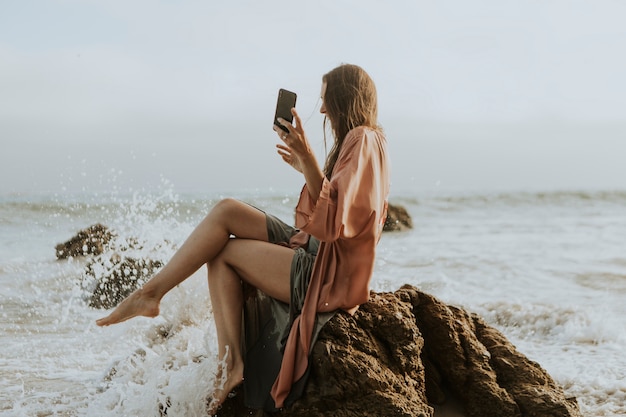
column 313, row 175
column 351, row 201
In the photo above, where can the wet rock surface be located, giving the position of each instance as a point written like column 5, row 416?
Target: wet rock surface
column 115, row 278
column 90, row 241
column 398, row 219
column 406, row 353
column 115, row 267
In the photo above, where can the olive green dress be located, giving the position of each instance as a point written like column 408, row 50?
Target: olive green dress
column 267, row 323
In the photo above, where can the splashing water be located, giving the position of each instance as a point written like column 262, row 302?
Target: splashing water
column 546, row 269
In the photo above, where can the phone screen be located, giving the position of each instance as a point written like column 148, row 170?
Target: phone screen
column 286, row 101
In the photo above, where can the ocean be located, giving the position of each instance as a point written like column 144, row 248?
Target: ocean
column 546, row 268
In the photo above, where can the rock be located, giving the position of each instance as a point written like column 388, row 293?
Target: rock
column 481, row 367
column 108, row 279
column 365, row 364
column 398, row 219
column 113, row 279
column 90, row 241
column 402, row 353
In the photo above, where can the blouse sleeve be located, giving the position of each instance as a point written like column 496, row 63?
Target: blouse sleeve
column 349, row 200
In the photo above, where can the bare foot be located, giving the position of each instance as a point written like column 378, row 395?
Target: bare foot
column 225, row 382
column 139, row 303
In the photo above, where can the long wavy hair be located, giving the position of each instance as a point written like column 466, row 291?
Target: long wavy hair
column 351, row 101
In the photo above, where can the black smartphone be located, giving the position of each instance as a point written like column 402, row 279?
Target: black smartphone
column 286, row 101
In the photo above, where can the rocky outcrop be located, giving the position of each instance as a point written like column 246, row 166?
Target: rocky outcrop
column 480, row 366
column 108, row 281
column 111, row 273
column 90, row 241
column 398, row 219
column 406, row 353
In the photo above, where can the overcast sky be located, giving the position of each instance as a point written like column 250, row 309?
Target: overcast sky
column 102, row 95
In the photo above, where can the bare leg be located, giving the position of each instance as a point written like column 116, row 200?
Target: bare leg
column 227, row 302
column 249, row 257
column 263, row 265
column 228, row 217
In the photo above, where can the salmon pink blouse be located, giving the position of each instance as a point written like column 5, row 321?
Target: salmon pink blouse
column 347, row 219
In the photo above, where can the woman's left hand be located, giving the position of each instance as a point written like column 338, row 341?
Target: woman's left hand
column 296, row 149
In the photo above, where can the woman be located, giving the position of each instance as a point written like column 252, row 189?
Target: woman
column 341, row 209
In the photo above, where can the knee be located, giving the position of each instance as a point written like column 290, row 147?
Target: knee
column 228, row 203
column 225, row 207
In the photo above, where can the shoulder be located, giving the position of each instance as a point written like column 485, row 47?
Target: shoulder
column 364, row 136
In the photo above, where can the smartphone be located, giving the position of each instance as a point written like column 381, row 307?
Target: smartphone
column 286, row 101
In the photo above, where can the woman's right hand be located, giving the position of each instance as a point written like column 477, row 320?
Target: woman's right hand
column 295, row 149
column 297, row 153
column 287, row 155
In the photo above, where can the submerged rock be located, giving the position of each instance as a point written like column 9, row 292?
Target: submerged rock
column 398, row 219
column 406, row 353
column 111, row 273
column 89, row 241
column 115, row 278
